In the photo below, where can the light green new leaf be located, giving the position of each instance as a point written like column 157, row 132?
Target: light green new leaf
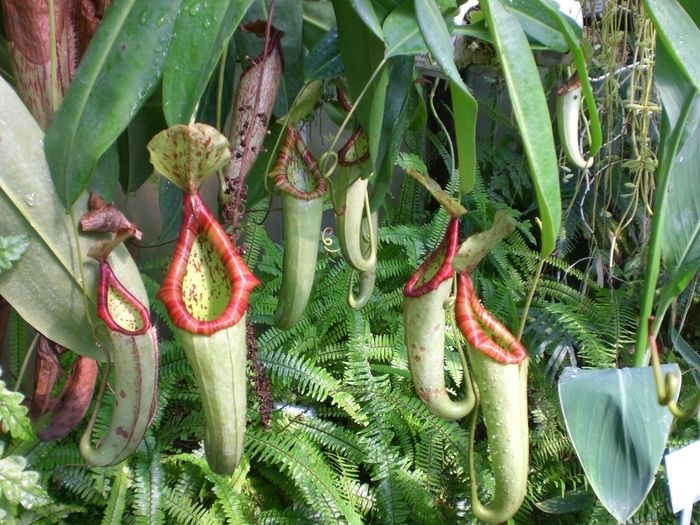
column 11, row 249
column 19, row 486
column 618, row 430
column 13, row 414
column 202, row 30
column 45, row 286
column 464, row 105
column 531, row 113
column 117, row 74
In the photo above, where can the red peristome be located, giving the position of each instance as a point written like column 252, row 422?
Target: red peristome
column 446, row 250
column 107, row 279
column 342, row 100
column 352, row 142
column 196, row 219
column 294, row 144
column 472, row 318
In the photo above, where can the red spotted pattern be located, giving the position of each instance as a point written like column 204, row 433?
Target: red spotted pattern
column 198, row 220
column 108, row 280
column 476, row 323
column 442, row 256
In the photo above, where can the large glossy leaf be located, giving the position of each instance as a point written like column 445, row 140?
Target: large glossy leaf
column 531, row 113
column 117, row 74
column 362, row 52
column 319, row 18
column 46, row 286
column 323, row 61
column 401, row 32
column 201, row 31
column 679, row 34
column 464, row 106
column 680, row 239
column 619, row 431
column 365, row 10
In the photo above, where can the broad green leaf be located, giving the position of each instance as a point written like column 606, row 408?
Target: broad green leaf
column 362, row 52
column 19, row 486
column 170, row 207
column 365, row 10
column 401, row 32
column 388, row 122
column 680, row 237
column 681, row 228
column 464, row 105
column 618, row 430
column 135, row 168
column 531, row 113
column 679, row 34
column 117, row 74
column 202, row 29
column 323, row 61
column 538, row 24
column 319, row 18
column 54, row 299
column 11, row 249
column 13, row 414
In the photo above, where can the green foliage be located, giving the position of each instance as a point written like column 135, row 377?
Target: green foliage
column 11, row 250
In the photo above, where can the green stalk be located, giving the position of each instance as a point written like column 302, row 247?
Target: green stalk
column 669, row 149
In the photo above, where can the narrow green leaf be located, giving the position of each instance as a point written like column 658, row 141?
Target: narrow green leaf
column 202, row 30
column 402, row 33
column 324, row 61
column 362, row 53
column 573, row 41
column 117, row 74
column 679, row 33
column 54, row 299
column 464, row 105
column 319, row 18
column 117, row 497
column 618, row 430
column 365, row 10
column 538, row 24
column 680, row 240
column 531, row 113
column 11, row 249
column 134, row 157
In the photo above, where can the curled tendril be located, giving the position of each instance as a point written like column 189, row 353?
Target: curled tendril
column 327, row 241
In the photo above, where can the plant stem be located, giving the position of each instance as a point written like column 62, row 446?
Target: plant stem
column 669, row 148
column 530, row 295
column 25, row 361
